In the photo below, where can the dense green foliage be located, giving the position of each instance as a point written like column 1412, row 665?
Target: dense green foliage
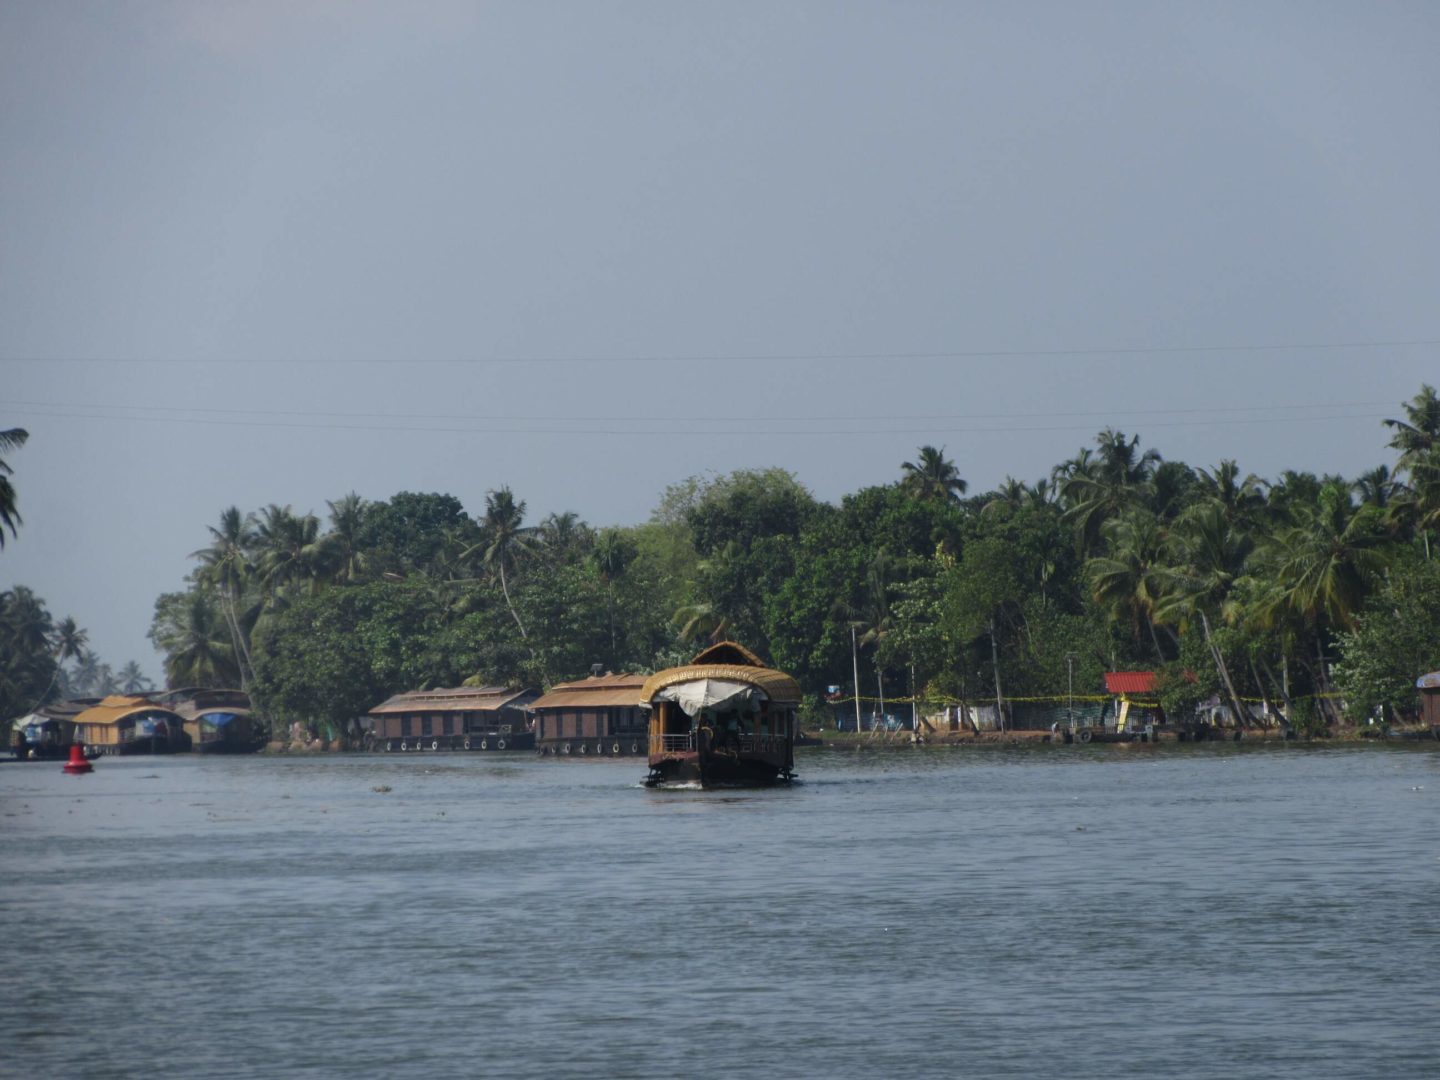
column 1234, row 587
column 42, row 660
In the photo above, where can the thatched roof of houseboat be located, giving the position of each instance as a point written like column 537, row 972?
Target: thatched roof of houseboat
column 458, row 699
column 731, row 662
column 596, row 692
column 117, row 707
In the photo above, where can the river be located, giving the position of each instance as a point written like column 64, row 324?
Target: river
column 1046, row 912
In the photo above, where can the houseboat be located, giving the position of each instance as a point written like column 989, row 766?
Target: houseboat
column 723, row 719
column 131, row 724
column 46, row 734
column 217, row 721
column 462, row 718
column 595, row 717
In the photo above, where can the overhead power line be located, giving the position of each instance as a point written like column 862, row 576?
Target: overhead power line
column 669, row 427
column 768, row 358
column 257, row 414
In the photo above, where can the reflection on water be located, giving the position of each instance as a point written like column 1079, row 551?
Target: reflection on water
column 1182, row 912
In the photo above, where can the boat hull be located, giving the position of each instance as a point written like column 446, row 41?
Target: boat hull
column 718, row 770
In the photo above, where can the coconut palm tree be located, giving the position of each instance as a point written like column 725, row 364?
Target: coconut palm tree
column 1128, row 581
column 342, row 555
column 1325, row 562
column 288, row 549
column 87, row 673
column 1377, row 487
column 612, row 555
column 9, row 516
column 1240, row 500
column 197, row 645
column 564, row 536
column 1417, row 436
column 226, row 566
column 1101, row 487
column 932, row 476
column 68, row 642
column 507, row 541
column 133, row 680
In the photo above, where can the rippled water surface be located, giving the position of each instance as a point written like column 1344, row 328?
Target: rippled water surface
column 1116, row 911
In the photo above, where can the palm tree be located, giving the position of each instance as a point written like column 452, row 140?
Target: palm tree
column 197, row 645
column 700, row 620
column 1377, row 487
column 1418, row 435
column 27, row 626
column 226, row 567
column 87, row 673
column 9, row 516
column 1207, row 556
column 289, row 548
column 1101, row 487
column 69, row 642
column 1239, row 500
column 1128, row 580
column 132, row 679
column 612, row 554
column 1326, row 560
column 342, row 554
column 932, row 476
column 564, row 536
column 507, row 541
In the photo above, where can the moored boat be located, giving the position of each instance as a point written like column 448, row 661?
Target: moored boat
column 726, row 718
column 217, row 721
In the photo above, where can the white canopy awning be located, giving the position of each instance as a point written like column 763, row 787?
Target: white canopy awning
column 710, row 694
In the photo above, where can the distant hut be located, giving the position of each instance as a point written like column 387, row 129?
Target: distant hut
column 1429, row 687
column 1136, row 698
column 131, row 724
column 463, row 718
column 599, row 715
column 217, row 721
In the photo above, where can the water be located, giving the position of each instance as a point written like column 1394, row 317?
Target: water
column 1101, row 912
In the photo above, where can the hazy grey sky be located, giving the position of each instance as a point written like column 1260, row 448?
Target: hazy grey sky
column 256, row 253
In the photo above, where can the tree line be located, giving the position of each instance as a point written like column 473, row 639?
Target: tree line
column 1307, row 592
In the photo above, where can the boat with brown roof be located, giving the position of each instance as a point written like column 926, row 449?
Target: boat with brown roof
column 599, row 716
column 724, row 719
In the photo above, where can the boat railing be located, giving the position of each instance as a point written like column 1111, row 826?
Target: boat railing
column 677, row 743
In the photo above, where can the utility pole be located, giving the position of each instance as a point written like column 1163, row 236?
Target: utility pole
column 914, row 718
column 995, row 663
column 855, row 660
column 1070, row 672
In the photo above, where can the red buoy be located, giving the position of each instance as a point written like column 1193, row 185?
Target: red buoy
column 77, row 765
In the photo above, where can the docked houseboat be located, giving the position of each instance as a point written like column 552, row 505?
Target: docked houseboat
column 131, row 724
column 462, row 718
column 217, row 721
column 723, row 719
column 47, row 733
column 595, row 717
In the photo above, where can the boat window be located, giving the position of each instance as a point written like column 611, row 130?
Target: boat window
column 405, row 725
column 425, row 726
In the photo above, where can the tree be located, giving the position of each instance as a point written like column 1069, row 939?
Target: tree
column 192, row 634
column 9, row 516
column 1418, row 435
column 288, row 549
column 507, row 541
column 343, row 552
column 1127, row 581
column 932, row 476
column 611, row 556
column 1099, row 487
column 27, row 661
column 132, row 679
column 226, row 567
column 1395, row 640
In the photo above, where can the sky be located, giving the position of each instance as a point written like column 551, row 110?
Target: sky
column 257, row 253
